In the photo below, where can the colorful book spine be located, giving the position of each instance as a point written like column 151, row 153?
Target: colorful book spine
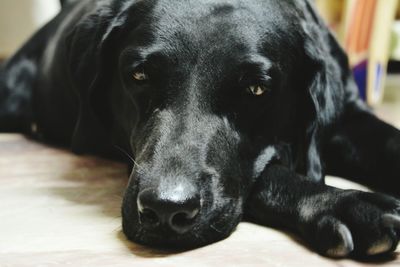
column 366, row 37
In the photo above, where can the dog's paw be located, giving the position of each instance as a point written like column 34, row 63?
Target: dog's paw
column 341, row 223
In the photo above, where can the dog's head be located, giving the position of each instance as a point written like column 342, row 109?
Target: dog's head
column 205, row 94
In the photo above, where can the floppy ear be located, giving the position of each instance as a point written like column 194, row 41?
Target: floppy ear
column 88, row 50
column 330, row 84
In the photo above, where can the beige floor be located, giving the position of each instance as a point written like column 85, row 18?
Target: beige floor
column 58, row 209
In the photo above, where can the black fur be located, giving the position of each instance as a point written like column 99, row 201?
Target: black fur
column 196, row 132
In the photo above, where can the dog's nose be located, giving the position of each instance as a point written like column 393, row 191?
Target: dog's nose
column 176, row 211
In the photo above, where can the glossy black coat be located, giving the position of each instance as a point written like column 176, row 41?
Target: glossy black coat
column 194, row 126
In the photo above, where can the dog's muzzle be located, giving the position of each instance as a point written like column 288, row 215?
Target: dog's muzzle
column 185, row 189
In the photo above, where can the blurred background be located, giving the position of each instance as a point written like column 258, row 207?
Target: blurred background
column 369, row 30
column 20, row 18
column 58, row 209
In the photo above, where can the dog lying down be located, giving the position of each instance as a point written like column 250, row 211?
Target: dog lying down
column 231, row 109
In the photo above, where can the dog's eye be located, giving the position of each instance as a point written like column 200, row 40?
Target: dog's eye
column 140, row 75
column 257, row 90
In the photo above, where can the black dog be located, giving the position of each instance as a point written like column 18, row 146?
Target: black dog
column 232, row 108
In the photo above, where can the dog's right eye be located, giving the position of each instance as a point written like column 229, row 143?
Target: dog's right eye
column 257, row 90
column 140, row 75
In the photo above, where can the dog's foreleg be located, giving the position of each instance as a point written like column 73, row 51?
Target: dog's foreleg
column 18, row 77
column 365, row 149
column 334, row 222
column 15, row 96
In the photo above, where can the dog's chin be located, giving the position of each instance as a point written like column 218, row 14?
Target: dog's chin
column 205, row 232
column 164, row 240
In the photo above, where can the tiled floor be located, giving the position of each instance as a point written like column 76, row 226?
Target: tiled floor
column 58, row 209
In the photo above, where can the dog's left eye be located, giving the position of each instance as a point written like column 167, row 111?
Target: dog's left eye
column 257, row 90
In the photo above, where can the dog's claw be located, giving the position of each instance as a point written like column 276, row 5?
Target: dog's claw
column 381, row 246
column 346, row 246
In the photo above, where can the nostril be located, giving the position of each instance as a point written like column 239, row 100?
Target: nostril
column 149, row 217
column 182, row 221
column 176, row 212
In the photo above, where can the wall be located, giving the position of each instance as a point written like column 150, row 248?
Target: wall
column 20, row 18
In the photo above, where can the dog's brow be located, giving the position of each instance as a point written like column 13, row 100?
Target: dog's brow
column 256, row 67
column 141, row 52
column 258, row 58
column 259, row 62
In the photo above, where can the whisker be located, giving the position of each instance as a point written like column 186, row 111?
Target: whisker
column 129, row 157
column 215, row 228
